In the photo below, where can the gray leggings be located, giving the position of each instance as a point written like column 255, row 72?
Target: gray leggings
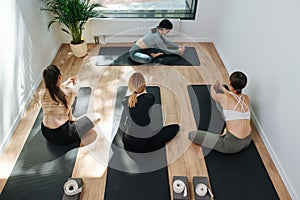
column 142, row 56
column 227, row 143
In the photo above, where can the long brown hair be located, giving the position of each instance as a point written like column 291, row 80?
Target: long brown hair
column 136, row 85
column 51, row 75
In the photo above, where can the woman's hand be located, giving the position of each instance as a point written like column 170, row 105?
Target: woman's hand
column 220, row 88
column 217, row 85
column 181, row 49
column 72, row 80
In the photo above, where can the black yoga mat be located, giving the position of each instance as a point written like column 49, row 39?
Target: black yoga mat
column 235, row 176
column 42, row 167
column 130, row 176
column 119, row 56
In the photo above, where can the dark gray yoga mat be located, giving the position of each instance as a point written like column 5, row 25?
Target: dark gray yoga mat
column 135, row 184
column 83, row 95
column 235, row 176
column 42, row 167
column 119, row 56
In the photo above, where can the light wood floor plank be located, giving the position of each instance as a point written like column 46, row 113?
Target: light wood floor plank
column 184, row 158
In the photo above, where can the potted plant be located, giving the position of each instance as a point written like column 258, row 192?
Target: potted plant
column 72, row 15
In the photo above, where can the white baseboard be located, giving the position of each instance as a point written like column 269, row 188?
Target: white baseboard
column 20, row 114
column 125, row 39
column 274, row 157
column 53, row 53
column 224, row 60
column 263, row 135
column 186, row 39
column 24, row 106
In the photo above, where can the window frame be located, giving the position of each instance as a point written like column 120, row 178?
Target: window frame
column 188, row 14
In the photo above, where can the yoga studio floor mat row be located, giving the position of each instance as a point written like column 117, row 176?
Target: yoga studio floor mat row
column 119, row 56
column 42, row 168
column 236, row 176
column 133, row 176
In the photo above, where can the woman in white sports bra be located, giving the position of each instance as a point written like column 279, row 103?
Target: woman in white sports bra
column 235, row 107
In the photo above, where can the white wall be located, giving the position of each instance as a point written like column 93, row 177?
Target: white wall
column 26, row 48
column 262, row 38
column 201, row 29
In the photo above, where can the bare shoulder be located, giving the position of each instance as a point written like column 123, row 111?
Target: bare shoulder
column 247, row 99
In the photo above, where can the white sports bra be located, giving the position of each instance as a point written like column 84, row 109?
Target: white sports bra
column 236, row 115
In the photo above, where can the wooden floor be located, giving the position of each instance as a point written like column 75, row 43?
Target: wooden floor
column 184, row 158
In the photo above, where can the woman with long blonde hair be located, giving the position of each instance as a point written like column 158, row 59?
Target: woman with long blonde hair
column 141, row 133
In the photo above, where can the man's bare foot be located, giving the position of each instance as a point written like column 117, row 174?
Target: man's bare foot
column 154, row 55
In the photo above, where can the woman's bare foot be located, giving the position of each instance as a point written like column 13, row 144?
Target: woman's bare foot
column 94, row 117
column 154, row 55
column 181, row 50
column 88, row 138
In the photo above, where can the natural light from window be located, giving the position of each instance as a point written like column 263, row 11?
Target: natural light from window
column 183, row 9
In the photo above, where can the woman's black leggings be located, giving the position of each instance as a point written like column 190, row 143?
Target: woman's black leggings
column 158, row 141
column 68, row 132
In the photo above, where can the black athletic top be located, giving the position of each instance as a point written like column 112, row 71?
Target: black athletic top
column 140, row 121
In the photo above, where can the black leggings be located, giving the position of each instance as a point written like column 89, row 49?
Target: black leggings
column 144, row 145
column 68, row 132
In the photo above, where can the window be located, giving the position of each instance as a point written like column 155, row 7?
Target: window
column 182, row 9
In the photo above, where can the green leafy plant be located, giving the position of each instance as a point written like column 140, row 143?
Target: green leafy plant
column 71, row 15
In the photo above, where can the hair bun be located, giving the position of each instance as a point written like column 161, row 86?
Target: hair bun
column 165, row 23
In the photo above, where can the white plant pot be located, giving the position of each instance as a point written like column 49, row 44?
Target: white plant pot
column 79, row 50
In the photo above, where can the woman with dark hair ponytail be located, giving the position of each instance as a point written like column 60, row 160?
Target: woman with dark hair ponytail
column 141, row 132
column 58, row 124
column 235, row 108
column 51, row 76
column 155, row 44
